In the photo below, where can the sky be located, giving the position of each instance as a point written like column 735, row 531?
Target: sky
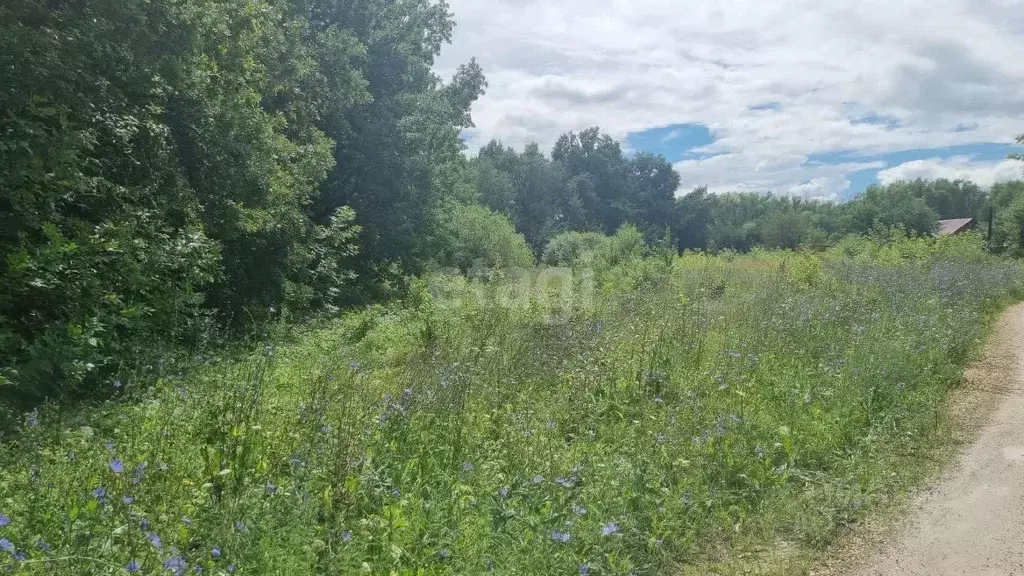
column 811, row 98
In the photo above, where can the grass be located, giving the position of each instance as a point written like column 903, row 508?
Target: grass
column 663, row 416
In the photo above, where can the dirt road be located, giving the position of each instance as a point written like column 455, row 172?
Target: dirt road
column 971, row 523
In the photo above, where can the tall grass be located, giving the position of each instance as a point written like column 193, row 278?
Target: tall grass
column 665, row 415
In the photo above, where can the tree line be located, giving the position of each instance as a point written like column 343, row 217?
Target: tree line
column 171, row 170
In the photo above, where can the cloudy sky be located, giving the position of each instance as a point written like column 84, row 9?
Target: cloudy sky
column 815, row 98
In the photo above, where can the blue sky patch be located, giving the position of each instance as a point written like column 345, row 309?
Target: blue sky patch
column 675, row 142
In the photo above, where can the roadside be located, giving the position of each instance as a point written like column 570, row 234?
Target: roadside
column 969, row 521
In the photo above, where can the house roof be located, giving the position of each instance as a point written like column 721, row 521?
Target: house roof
column 954, row 226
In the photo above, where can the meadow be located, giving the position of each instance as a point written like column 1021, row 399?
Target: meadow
column 633, row 414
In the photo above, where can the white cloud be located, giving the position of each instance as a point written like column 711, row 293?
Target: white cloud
column 631, row 65
column 957, row 167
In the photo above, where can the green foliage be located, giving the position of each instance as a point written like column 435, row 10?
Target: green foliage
column 573, row 248
column 678, row 418
column 479, row 238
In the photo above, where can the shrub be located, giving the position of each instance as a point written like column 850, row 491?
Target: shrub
column 477, row 236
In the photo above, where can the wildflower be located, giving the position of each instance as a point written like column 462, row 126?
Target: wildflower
column 128, row 500
column 198, row 570
column 186, row 520
column 20, row 556
column 467, row 467
column 144, row 524
column 140, row 469
column 116, row 466
column 231, row 568
column 538, row 479
column 444, row 553
column 176, row 565
column 133, row 566
column 118, row 383
column 346, row 536
column 154, row 540
column 354, row 365
column 579, row 510
column 33, row 418
column 661, row 438
column 240, row 526
column 552, row 425
column 110, row 445
column 396, row 493
column 6, row 545
column 71, row 456
column 99, row 493
column 503, row 491
column 215, row 552
column 271, row 489
column 4, row 520
column 584, row 569
column 42, row 546
column 324, row 429
column 565, row 482
column 610, row 529
column 558, row 536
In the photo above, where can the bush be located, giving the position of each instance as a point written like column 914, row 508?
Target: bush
column 478, row 237
column 573, row 248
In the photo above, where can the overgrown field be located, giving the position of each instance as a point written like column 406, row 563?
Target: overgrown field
column 639, row 415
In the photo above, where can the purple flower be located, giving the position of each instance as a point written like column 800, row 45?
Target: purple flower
column 467, row 467
column 116, row 466
column 240, row 526
column 346, row 536
column 396, row 493
column 110, row 445
column 579, row 510
column 538, row 479
column 503, row 491
column 20, row 556
column 4, row 520
column 186, row 520
column 99, row 493
column 353, row 365
column 133, row 566
column 558, row 536
column 139, row 471
column 198, row 570
column 6, row 545
column 128, row 500
column 271, row 488
column 154, row 539
column 231, row 568
column 584, row 569
column 144, row 524
column 175, row 565
column 215, row 552
column 610, row 529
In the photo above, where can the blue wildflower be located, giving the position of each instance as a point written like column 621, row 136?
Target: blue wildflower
column 396, row 493
column 99, row 493
column 354, row 365
column 110, row 445
column 42, row 546
column 610, row 529
column 232, row 568
column 6, row 545
column 538, row 479
column 175, row 565
column 565, row 482
column 133, row 566
column 584, row 569
column 139, row 471
column 33, row 418
column 128, row 500
column 215, row 552
column 154, row 539
column 444, row 553
column 4, row 520
column 240, row 526
column 20, row 556
column 198, row 570
column 71, row 456
column 271, row 488
column 467, row 467
column 503, row 491
column 559, row 536
column 116, row 466
column 186, row 520
column 579, row 510
column 144, row 524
